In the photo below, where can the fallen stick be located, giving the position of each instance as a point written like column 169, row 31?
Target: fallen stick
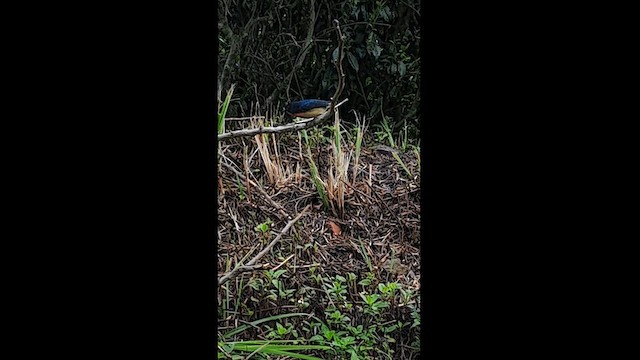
column 255, row 259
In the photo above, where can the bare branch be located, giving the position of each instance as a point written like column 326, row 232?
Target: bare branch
column 338, row 66
column 279, row 129
column 244, row 118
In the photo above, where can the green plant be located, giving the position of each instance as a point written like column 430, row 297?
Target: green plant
column 315, row 178
column 265, row 227
column 280, row 331
column 406, row 296
column 240, row 188
column 373, row 306
column 360, row 129
column 404, row 140
column 415, row 315
column 365, row 255
column 351, row 279
column 336, row 288
column 304, row 294
column 245, row 349
column 317, row 278
column 278, row 291
column 338, row 171
column 368, row 280
column 222, row 111
column 388, row 290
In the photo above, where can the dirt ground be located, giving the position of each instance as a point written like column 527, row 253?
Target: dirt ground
column 375, row 235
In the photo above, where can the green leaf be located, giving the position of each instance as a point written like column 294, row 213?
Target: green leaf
column 329, row 334
column 402, row 68
column 391, row 328
column 281, row 329
column 353, row 355
column 353, row 61
column 380, row 305
column 384, row 14
column 377, row 50
column 278, row 273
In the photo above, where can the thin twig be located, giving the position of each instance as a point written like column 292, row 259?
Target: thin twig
column 255, row 259
column 284, row 262
column 338, row 63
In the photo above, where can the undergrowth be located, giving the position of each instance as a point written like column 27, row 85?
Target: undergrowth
column 343, row 284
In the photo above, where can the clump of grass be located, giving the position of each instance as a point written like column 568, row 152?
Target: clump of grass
column 267, row 347
column 338, row 170
column 361, row 128
column 332, row 192
column 315, row 178
column 267, row 144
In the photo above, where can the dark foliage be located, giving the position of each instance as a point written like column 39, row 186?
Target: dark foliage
column 280, row 51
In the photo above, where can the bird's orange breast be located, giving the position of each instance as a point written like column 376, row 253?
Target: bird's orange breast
column 311, row 113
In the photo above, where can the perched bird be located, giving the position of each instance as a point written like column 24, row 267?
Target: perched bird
column 307, row 108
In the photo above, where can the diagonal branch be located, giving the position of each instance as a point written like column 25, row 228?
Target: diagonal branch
column 255, row 259
column 279, row 129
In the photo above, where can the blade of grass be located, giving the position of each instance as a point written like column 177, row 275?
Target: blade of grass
column 397, row 157
column 365, row 255
column 225, row 106
column 255, row 323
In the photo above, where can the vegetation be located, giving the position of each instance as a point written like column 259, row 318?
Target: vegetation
column 343, row 282
column 318, row 230
column 276, row 52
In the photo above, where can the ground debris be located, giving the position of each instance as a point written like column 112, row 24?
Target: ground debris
column 377, row 232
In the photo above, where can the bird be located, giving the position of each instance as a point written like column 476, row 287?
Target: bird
column 309, row 108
